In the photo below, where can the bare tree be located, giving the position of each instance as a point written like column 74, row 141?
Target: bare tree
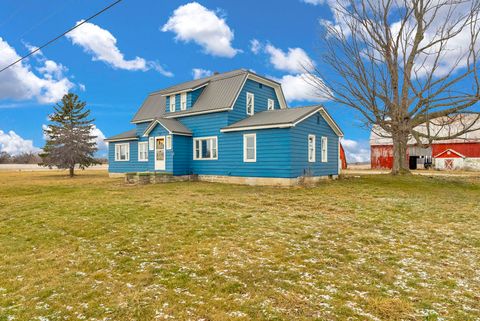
column 403, row 64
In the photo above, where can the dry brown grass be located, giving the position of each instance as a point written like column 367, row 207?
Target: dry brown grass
column 374, row 248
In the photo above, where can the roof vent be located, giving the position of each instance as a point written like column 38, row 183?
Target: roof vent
column 216, row 73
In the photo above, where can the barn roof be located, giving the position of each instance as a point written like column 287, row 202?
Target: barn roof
column 439, row 127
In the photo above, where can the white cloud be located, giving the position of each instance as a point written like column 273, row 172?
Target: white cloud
column 102, row 45
column 102, row 145
column 295, row 60
column 14, row 144
column 255, row 46
column 19, row 82
column 200, row 73
column 299, row 88
column 194, row 22
column 356, row 152
column 159, row 68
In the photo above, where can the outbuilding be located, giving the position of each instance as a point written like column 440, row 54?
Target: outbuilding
column 462, row 152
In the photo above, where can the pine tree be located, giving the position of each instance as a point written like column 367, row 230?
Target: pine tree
column 69, row 138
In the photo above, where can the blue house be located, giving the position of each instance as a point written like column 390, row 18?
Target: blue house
column 230, row 127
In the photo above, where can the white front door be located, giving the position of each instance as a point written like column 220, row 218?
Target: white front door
column 160, row 153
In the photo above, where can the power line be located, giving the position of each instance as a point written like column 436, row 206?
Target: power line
column 60, row 36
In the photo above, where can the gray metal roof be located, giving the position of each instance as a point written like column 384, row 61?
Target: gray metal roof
column 192, row 84
column 287, row 116
column 132, row 133
column 219, row 93
column 172, row 125
column 153, row 107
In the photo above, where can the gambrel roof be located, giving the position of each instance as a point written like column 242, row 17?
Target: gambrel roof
column 219, row 93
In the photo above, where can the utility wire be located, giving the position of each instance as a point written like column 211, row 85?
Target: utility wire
column 60, row 36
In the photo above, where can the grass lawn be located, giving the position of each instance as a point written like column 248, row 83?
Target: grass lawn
column 372, row 248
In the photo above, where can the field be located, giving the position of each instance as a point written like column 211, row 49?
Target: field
column 369, row 248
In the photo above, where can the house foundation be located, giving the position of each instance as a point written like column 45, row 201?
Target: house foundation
column 252, row 181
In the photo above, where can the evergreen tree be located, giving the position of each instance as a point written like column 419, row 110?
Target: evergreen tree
column 69, row 141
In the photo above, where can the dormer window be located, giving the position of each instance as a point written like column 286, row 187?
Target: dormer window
column 172, row 103
column 271, row 104
column 183, row 101
column 250, row 104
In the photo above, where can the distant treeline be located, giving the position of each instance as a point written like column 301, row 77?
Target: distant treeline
column 23, row 158
column 29, row 158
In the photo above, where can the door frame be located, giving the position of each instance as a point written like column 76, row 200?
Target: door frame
column 164, row 154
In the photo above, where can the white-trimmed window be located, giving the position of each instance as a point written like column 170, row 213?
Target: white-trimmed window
column 311, row 148
column 122, row 152
column 205, row 148
column 143, row 151
column 250, row 148
column 169, row 142
column 172, row 103
column 250, row 104
column 271, row 104
column 183, row 101
column 151, row 143
column 324, row 149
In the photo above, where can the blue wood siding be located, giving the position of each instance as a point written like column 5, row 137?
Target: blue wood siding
column 203, row 126
column 261, row 92
column 182, row 156
column 133, row 165
column 317, row 126
column 141, row 127
column 192, row 97
column 273, row 146
column 273, row 154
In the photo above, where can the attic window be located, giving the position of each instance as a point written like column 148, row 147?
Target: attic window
column 250, row 104
column 271, row 104
column 260, row 86
column 172, row 103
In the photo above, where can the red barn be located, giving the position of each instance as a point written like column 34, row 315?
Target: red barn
column 462, row 152
column 343, row 158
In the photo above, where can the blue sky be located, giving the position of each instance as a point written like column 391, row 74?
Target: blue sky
column 144, row 45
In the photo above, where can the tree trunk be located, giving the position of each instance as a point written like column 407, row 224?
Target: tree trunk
column 71, row 171
column 400, row 163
